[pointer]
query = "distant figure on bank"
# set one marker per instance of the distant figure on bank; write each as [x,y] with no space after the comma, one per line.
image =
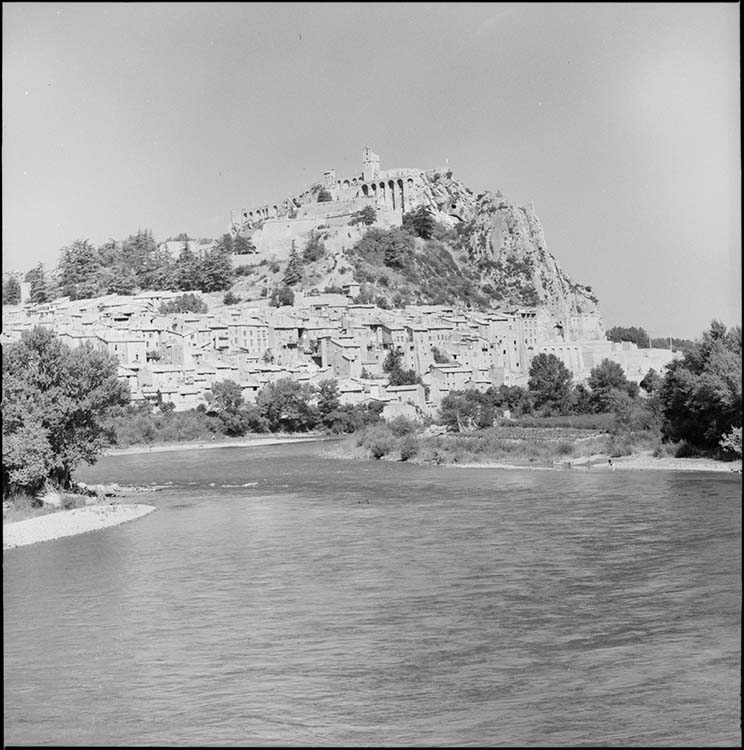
[612,467]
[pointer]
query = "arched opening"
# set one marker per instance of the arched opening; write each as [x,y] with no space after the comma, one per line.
[402,198]
[365,190]
[391,185]
[346,184]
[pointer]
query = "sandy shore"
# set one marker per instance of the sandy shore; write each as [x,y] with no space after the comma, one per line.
[636,463]
[70,522]
[201,445]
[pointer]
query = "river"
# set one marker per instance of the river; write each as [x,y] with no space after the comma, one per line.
[277,597]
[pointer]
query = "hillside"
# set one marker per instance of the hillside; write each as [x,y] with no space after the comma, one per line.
[483,252]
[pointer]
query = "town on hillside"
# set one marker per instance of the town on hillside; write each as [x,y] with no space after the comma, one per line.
[176,358]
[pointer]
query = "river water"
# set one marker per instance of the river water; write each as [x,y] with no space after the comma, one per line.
[277,597]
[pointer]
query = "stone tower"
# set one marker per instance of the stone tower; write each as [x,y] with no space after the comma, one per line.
[370,164]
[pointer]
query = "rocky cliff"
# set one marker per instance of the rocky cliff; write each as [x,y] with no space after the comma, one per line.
[508,245]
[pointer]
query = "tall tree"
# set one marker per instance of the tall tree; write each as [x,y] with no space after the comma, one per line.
[606,380]
[293,272]
[40,289]
[226,399]
[286,405]
[702,393]
[328,401]
[550,384]
[187,269]
[11,290]
[55,403]
[216,271]
[79,271]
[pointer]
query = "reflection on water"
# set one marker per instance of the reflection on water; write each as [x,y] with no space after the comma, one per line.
[342,602]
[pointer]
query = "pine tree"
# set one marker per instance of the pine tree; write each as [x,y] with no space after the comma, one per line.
[79,271]
[293,272]
[40,291]
[11,291]
[187,269]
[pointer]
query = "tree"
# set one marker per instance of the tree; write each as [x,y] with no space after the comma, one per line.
[516,399]
[675,344]
[392,365]
[440,357]
[11,291]
[462,410]
[550,384]
[605,380]
[215,272]
[286,406]
[293,271]
[187,269]
[366,216]
[226,400]
[79,270]
[186,303]
[242,245]
[397,248]
[635,335]
[39,286]
[230,299]
[651,382]
[282,296]
[581,400]
[328,401]
[226,242]
[731,443]
[54,408]
[701,394]
[314,249]
[419,222]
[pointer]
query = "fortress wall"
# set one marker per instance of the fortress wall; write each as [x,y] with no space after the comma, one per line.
[276,235]
[332,208]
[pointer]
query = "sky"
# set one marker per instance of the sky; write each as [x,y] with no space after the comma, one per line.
[621,122]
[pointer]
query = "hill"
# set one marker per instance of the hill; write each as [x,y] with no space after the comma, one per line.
[480,251]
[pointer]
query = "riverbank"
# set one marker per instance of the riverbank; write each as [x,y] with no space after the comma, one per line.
[638,462]
[204,444]
[70,522]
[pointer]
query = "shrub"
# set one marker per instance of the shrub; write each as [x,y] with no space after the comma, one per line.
[731,443]
[379,441]
[401,426]
[231,299]
[314,249]
[564,449]
[684,449]
[408,447]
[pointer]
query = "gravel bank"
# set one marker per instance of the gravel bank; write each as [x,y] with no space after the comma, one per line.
[636,463]
[200,445]
[70,522]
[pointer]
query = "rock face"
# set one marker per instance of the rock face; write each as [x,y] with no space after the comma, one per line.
[508,243]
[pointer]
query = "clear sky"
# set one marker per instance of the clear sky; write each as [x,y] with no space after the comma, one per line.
[620,121]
